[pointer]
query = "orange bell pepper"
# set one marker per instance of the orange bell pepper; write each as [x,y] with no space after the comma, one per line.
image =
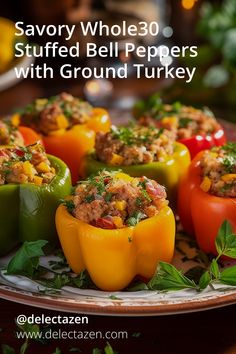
[114,257]
[202,213]
[29,136]
[71,145]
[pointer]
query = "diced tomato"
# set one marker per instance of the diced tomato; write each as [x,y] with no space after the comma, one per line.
[105,223]
[155,190]
[19,152]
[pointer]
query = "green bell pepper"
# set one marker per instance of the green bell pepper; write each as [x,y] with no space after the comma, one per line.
[167,172]
[27,211]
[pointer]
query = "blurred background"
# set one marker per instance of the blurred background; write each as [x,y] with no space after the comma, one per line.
[209,24]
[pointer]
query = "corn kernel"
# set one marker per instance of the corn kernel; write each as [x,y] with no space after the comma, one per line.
[206,184]
[123,176]
[28,168]
[15,119]
[38,180]
[43,167]
[118,221]
[228,177]
[120,205]
[213,154]
[173,121]
[116,160]
[62,122]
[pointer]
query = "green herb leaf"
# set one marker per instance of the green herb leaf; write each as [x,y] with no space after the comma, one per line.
[228,276]
[168,277]
[69,204]
[26,260]
[135,218]
[214,269]
[7,350]
[184,122]
[89,198]
[226,241]
[57,351]
[97,351]
[113,297]
[220,242]
[204,280]
[24,347]
[108,349]
[108,197]
[29,328]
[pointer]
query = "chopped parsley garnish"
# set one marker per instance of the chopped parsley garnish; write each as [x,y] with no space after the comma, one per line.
[69,204]
[108,196]
[135,135]
[155,108]
[229,161]
[135,218]
[138,201]
[89,198]
[184,122]
[144,191]
[229,147]
[52,99]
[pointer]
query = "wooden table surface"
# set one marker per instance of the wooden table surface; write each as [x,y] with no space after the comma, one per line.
[207,332]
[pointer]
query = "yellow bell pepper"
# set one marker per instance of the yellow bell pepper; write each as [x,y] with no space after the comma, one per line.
[114,257]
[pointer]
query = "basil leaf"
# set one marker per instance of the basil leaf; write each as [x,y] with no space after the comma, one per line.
[214,268]
[204,280]
[168,277]
[228,276]
[221,238]
[24,347]
[97,351]
[26,259]
[108,349]
[230,249]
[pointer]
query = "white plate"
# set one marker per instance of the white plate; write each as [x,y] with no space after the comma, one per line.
[139,303]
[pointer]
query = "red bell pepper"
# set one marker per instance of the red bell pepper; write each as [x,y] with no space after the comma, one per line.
[197,143]
[201,213]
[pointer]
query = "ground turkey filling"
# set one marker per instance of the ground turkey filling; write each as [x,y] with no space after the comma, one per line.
[25,165]
[185,121]
[134,145]
[9,135]
[115,200]
[61,112]
[219,171]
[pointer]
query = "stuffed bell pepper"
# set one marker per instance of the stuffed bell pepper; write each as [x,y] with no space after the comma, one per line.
[31,186]
[116,227]
[197,129]
[139,151]
[12,134]
[207,194]
[67,125]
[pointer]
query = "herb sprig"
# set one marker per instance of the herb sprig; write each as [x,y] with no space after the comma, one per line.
[155,108]
[136,135]
[167,277]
